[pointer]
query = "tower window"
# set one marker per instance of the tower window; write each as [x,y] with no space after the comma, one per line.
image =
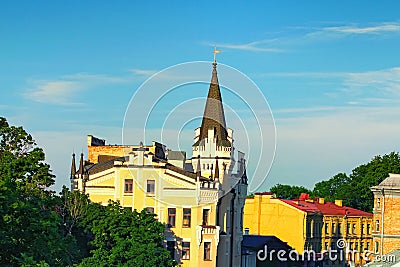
[206,215]
[207,251]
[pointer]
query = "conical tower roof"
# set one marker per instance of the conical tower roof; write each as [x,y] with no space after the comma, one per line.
[214,117]
[81,166]
[73,166]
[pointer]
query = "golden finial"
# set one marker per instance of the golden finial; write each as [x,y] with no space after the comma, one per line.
[215,53]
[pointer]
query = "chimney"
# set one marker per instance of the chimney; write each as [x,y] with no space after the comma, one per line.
[339,202]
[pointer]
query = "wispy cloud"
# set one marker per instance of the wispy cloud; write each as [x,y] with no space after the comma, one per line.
[54,92]
[376,29]
[62,91]
[381,82]
[255,46]
[143,72]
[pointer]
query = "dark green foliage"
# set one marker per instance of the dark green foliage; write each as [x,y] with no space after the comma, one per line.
[288,191]
[29,225]
[123,237]
[332,189]
[38,228]
[354,189]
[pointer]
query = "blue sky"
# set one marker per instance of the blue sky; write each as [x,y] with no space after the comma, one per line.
[330,71]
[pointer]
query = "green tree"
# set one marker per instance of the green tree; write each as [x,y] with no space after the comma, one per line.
[29,225]
[355,189]
[334,188]
[288,191]
[123,237]
[363,177]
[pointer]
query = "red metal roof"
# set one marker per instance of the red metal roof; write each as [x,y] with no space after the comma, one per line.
[327,208]
[301,205]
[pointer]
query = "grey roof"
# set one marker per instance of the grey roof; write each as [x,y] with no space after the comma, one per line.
[214,117]
[176,155]
[392,181]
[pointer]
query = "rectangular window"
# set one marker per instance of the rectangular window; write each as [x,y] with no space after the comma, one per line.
[377,225]
[171,217]
[333,229]
[207,251]
[362,247]
[185,250]
[376,247]
[367,245]
[362,228]
[187,212]
[326,246]
[368,229]
[348,228]
[378,203]
[356,246]
[128,185]
[150,209]
[171,248]
[151,185]
[206,215]
[326,228]
[339,228]
[354,228]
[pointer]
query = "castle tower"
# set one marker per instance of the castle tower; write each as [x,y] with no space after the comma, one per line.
[213,150]
[213,140]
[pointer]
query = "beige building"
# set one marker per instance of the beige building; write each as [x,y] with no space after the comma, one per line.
[386,227]
[200,199]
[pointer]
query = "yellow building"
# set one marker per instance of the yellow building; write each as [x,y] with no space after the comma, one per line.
[200,199]
[309,224]
[386,227]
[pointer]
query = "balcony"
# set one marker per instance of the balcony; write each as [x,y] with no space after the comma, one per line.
[209,230]
[209,192]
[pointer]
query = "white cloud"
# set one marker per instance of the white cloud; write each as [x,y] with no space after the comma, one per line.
[380,83]
[383,28]
[143,72]
[54,92]
[63,90]
[255,46]
[312,148]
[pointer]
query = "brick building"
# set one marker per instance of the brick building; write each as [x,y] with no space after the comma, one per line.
[386,230]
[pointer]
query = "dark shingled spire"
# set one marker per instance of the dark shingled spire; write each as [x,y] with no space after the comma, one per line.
[81,170]
[73,166]
[214,117]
